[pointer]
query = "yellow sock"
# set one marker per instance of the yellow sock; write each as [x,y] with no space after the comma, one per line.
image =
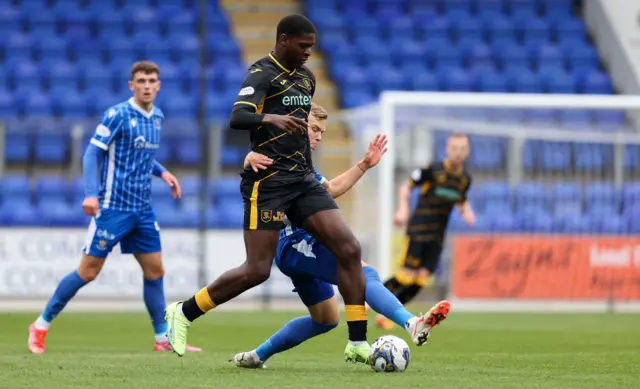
[204,300]
[355,313]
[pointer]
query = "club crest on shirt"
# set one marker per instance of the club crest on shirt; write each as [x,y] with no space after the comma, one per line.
[441,178]
[156,123]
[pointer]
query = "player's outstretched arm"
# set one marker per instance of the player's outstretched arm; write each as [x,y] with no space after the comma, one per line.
[345,181]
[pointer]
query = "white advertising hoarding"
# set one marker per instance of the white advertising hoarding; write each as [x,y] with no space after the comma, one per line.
[32,262]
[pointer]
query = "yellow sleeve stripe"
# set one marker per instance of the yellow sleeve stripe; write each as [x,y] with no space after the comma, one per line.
[246,103]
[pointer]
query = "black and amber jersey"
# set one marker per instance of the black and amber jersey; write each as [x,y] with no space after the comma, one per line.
[441,188]
[270,88]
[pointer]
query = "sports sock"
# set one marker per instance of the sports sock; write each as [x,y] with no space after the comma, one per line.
[153,294]
[382,300]
[67,288]
[292,334]
[356,322]
[410,292]
[392,284]
[198,305]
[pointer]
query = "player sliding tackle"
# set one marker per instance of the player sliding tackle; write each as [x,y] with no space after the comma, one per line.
[312,267]
[273,104]
[124,143]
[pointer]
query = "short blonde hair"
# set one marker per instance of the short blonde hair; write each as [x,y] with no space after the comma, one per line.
[319,112]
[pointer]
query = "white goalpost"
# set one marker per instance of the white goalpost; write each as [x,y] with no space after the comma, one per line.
[417,122]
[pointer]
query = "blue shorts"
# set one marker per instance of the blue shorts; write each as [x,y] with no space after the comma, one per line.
[137,233]
[311,267]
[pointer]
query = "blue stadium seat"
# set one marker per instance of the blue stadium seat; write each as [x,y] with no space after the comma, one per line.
[61,74]
[424,81]
[20,213]
[52,187]
[51,147]
[72,105]
[142,19]
[609,119]
[455,80]
[531,193]
[583,57]
[28,76]
[601,193]
[53,47]
[536,30]
[510,54]
[535,219]
[594,157]
[15,188]
[570,29]
[575,119]
[439,28]
[631,195]
[38,104]
[225,188]
[499,28]
[597,83]
[7,104]
[188,149]
[9,20]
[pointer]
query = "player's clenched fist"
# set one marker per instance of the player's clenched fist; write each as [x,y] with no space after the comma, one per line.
[289,124]
[90,206]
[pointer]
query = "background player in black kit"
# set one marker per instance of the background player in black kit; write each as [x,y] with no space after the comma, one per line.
[443,185]
[273,104]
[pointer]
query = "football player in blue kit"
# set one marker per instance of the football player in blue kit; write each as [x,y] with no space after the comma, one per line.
[312,267]
[118,167]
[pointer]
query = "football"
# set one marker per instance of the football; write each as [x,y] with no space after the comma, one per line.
[389,354]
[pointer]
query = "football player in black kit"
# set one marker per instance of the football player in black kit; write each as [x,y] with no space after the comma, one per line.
[443,185]
[273,105]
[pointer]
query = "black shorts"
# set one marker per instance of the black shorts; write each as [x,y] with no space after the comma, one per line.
[268,200]
[422,253]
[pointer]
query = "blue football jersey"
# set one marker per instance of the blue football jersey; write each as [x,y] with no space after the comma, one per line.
[130,136]
[290,231]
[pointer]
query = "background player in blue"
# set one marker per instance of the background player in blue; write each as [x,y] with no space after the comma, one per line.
[312,268]
[124,144]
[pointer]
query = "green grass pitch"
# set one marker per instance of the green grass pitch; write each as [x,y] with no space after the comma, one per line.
[96,350]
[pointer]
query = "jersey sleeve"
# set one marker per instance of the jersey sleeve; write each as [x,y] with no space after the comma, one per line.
[465,191]
[420,176]
[254,88]
[110,126]
[319,177]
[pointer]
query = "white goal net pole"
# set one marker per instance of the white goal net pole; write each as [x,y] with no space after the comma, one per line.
[391,100]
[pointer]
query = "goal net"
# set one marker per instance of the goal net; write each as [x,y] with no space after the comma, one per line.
[556,190]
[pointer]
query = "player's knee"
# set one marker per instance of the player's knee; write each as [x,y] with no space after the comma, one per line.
[350,251]
[153,272]
[257,273]
[90,267]
[325,327]
[88,274]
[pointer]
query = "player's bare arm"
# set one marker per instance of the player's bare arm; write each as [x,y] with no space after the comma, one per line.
[467,213]
[345,181]
[401,217]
